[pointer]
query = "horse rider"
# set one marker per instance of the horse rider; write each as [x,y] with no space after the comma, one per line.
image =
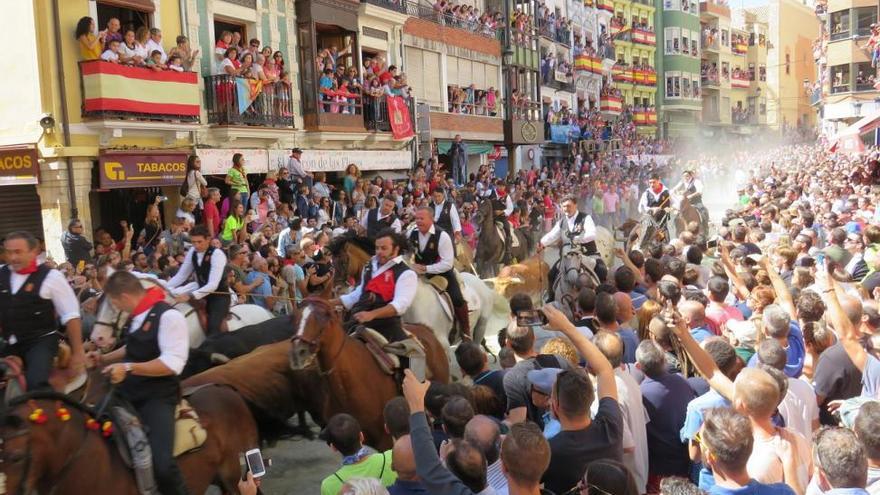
[576,230]
[378,219]
[208,265]
[33,298]
[387,289]
[692,188]
[446,215]
[434,256]
[147,368]
[656,200]
[502,207]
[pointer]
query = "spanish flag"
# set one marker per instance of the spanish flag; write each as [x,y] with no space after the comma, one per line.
[109,87]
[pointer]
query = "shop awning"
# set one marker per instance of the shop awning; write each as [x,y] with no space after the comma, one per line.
[473,147]
[864,125]
[19,165]
[849,139]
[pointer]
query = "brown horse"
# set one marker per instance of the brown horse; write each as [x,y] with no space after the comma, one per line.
[64,457]
[490,245]
[688,216]
[352,381]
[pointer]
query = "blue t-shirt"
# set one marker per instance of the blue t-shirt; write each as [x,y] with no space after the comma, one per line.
[259,293]
[871,378]
[638,299]
[326,82]
[630,342]
[754,488]
[693,421]
[666,398]
[796,351]
[700,334]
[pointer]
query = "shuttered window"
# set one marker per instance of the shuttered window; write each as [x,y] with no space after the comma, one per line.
[433,91]
[22,200]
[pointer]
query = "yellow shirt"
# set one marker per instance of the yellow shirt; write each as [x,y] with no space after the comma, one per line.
[87,53]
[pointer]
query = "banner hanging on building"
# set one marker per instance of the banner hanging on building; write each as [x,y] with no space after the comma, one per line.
[109,87]
[143,169]
[399,117]
[217,161]
[19,166]
[338,160]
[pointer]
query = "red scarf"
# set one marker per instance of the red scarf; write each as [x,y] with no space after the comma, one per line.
[28,269]
[657,188]
[149,300]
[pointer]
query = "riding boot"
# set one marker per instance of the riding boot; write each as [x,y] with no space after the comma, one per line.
[463,321]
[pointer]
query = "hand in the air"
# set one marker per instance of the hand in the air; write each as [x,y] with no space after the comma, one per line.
[556,320]
[414,391]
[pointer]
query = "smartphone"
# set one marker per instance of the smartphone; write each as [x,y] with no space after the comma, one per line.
[531,318]
[712,243]
[254,460]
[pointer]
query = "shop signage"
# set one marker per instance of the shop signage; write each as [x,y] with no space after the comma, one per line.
[218,161]
[338,160]
[19,166]
[146,169]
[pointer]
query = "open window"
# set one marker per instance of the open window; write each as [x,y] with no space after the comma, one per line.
[132,14]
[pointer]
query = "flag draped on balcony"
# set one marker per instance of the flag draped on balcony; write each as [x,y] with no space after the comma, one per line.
[109,87]
[247,91]
[399,117]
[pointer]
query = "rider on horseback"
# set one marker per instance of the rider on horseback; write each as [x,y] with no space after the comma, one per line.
[445,215]
[575,231]
[386,291]
[148,368]
[434,256]
[381,218]
[656,200]
[502,207]
[692,188]
[208,264]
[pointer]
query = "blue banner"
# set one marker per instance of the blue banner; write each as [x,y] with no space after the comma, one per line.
[564,134]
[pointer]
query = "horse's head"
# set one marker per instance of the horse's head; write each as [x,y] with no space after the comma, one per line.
[484,212]
[16,457]
[350,254]
[315,322]
[107,325]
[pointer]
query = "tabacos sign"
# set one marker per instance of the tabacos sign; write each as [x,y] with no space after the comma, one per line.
[144,169]
[18,166]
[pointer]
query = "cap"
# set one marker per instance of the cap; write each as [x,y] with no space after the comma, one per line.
[746,332]
[543,379]
[296,150]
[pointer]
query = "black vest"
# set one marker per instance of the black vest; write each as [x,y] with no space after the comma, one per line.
[568,234]
[431,254]
[444,221]
[692,189]
[141,346]
[374,225]
[25,314]
[203,271]
[660,199]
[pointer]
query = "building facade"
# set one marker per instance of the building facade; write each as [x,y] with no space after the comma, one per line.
[634,74]
[678,66]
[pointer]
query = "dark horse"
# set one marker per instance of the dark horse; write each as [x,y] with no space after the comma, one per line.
[490,245]
[689,216]
[62,456]
[351,379]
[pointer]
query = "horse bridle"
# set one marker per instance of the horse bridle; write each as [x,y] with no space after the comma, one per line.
[316,345]
[112,325]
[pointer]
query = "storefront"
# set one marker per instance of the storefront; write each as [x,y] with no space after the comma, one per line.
[19,176]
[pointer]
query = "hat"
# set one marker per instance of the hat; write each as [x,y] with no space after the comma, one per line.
[296,150]
[746,332]
[543,379]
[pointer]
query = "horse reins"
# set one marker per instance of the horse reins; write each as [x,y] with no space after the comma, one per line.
[314,358]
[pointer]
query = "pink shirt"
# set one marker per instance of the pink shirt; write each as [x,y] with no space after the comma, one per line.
[610,198]
[719,314]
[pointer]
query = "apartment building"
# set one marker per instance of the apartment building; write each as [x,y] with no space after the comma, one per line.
[678,63]
[634,73]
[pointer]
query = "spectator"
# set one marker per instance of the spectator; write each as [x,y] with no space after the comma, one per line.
[187,54]
[798,408]
[90,45]
[131,52]
[343,435]
[155,44]
[474,363]
[77,249]
[841,464]
[111,33]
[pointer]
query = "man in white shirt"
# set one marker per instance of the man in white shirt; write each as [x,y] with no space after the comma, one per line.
[379,219]
[207,265]
[576,230]
[446,214]
[148,368]
[434,255]
[297,172]
[31,295]
[155,43]
[799,407]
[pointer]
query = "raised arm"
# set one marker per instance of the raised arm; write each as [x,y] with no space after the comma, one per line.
[849,333]
[783,296]
[742,291]
[702,360]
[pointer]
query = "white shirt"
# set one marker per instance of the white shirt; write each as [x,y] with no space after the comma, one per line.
[218,265]
[296,168]
[404,289]
[109,55]
[643,202]
[173,338]
[555,234]
[799,407]
[395,225]
[453,215]
[139,50]
[153,45]
[54,288]
[444,247]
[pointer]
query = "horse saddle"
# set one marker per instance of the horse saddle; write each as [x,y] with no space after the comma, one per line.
[387,354]
[134,445]
[12,376]
[441,284]
[514,240]
[201,308]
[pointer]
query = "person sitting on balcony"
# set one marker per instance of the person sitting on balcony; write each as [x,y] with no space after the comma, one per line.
[130,51]
[185,52]
[155,61]
[90,45]
[111,54]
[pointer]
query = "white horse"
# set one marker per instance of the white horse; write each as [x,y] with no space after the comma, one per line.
[109,320]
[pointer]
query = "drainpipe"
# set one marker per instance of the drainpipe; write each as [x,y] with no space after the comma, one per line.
[65,118]
[184,22]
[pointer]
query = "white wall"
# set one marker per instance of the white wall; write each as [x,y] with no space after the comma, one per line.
[20,107]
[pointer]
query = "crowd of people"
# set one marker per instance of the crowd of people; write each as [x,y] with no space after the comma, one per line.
[469,100]
[553,25]
[468,17]
[137,47]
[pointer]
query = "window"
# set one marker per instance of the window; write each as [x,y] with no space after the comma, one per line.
[864,16]
[725,70]
[762,73]
[671,35]
[864,74]
[695,51]
[685,87]
[725,37]
[695,87]
[676,87]
[839,25]
[840,79]
[129,18]
[685,42]
[669,80]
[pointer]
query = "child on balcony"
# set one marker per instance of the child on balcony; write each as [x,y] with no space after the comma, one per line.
[111,54]
[155,61]
[284,94]
[174,63]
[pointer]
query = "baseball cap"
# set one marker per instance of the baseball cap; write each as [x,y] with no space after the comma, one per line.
[296,150]
[543,379]
[746,332]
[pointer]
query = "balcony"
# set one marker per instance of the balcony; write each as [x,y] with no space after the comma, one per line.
[644,116]
[644,77]
[238,101]
[740,81]
[428,13]
[710,80]
[742,116]
[717,8]
[644,37]
[561,81]
[586,64]
[550,31]
[473,101]
[115,91]
[622,73]
[710,43]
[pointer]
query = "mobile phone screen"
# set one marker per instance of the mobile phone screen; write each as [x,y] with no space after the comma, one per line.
[255,463]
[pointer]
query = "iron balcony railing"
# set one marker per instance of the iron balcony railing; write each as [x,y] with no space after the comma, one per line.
[428,13]
[272,106]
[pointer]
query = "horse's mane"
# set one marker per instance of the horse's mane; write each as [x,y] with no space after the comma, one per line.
[321,305]
[364,243]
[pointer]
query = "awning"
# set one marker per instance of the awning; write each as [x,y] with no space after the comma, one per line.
[864,125]
[473,147]
[19,165]
[849,140]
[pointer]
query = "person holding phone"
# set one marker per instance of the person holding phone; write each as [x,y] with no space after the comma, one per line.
[147,368]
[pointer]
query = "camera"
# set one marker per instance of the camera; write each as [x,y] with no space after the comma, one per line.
[47,121]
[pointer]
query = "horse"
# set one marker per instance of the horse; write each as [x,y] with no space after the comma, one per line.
[689,215]
[109,320]
[490,244]
[351,254]
[61,456]
[352,380]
